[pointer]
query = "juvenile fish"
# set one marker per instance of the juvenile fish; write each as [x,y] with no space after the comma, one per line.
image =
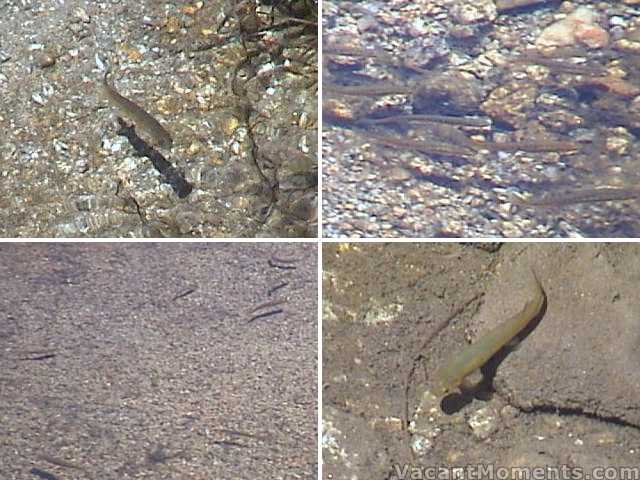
[430,148]
[272,303]
[137,115]
[369,90]
[571,197]
[456,368]
[60,462]
[446,119]
[533,146]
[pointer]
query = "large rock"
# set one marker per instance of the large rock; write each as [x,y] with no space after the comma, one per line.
[579,27]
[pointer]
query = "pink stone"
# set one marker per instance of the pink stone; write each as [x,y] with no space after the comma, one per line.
[592,36]
[580,26]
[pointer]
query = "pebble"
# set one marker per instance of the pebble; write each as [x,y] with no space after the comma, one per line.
[46,58]
[37,98]
[615,85]
[620,141]
[398,174]
[474,12]
[617,21]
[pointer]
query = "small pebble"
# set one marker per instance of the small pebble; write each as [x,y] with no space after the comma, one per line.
[45,59]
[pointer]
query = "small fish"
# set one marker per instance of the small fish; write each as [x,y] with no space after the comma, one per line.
[271,303]
[264,315]
[137,115]
[453,371]
[60,462]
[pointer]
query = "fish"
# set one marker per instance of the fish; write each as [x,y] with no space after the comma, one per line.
[454,370]
[144,121]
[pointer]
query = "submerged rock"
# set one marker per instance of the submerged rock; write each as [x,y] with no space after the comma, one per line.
[474,12]
[512,103]
[579,27]
[451,92]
